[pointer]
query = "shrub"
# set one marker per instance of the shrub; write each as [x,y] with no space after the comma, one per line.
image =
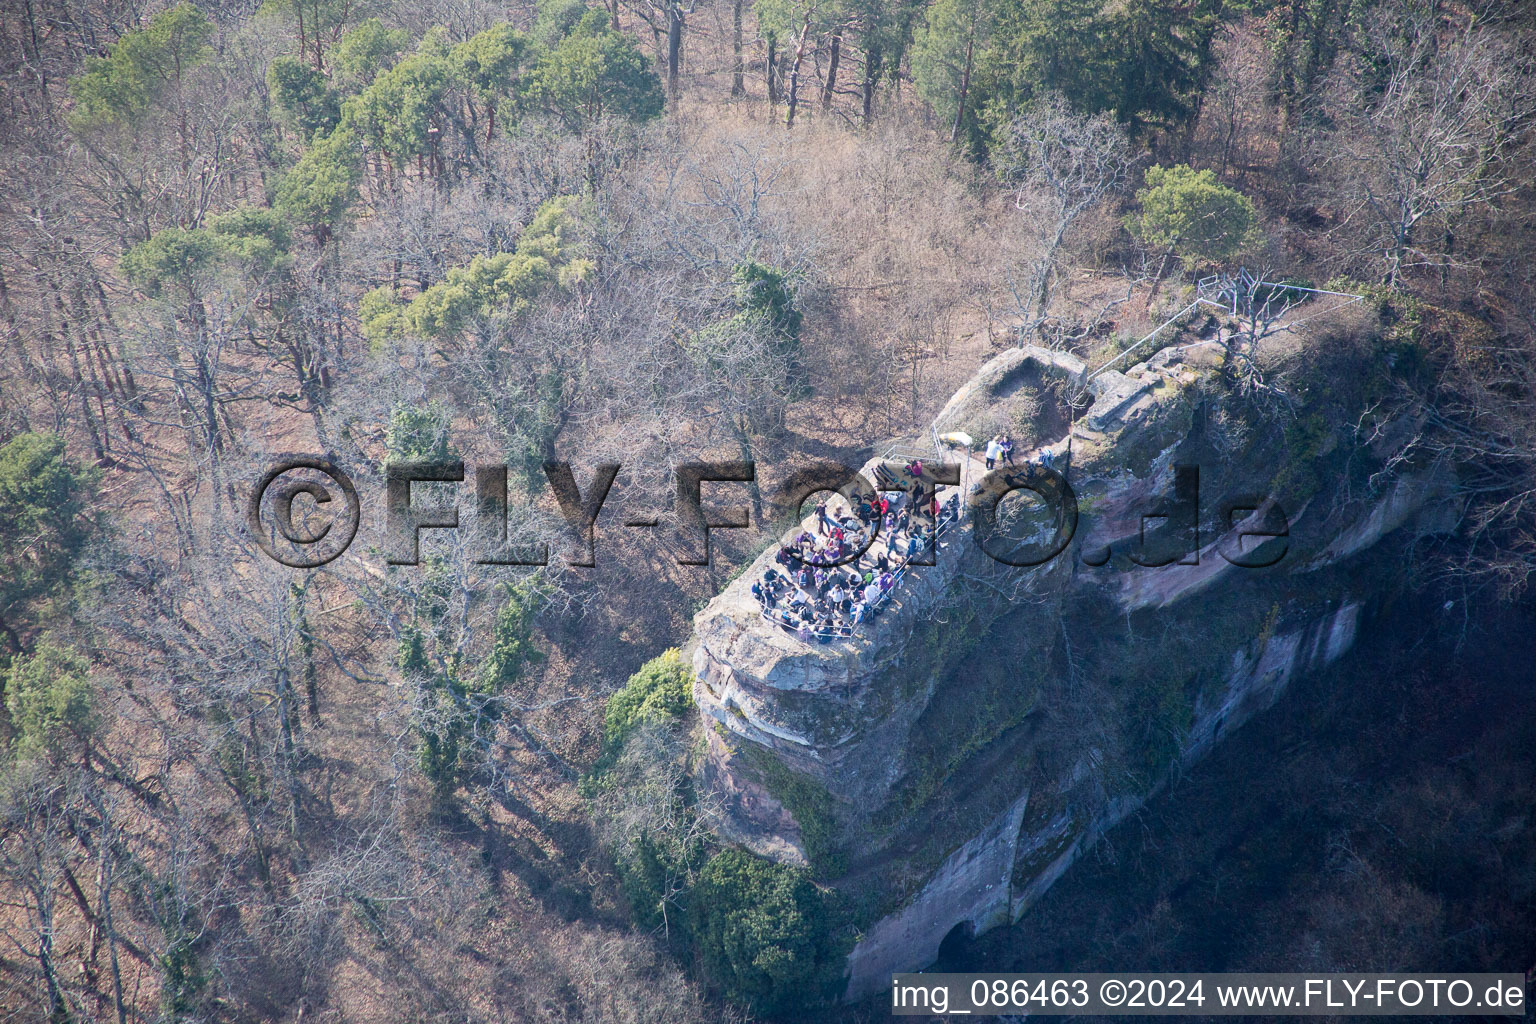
[1192,213]
[812,806]
[646,814]
[302,98]
[764,292]
[661,690]
[50,700]
[595,71]
[419,433]
[764,933]
[549,254]
[144,66]
[45,497]
[319,188]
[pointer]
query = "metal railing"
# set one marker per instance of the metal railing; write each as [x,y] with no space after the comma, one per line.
[1155,332]
[1227,293]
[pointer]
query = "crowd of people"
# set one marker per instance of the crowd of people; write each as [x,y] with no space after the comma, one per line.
[819,590]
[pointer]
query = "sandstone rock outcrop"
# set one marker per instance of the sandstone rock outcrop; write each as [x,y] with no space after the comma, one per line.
[946,764]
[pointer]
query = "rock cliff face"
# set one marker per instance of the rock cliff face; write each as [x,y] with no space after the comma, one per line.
[944,766]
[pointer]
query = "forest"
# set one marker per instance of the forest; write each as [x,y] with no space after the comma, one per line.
[619,236]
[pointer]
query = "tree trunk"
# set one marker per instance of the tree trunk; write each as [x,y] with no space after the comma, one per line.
[104,894]
[832,62]
[181,133]
[298,9]
[965,83]
[57,1010]
[1396,254]
[286,724]
[794,73]
[773,86]
[1042,294]
[674,50]
[1445,264]
[744,446]
[312,693]
[1162,270]
[872,61]
[738,67]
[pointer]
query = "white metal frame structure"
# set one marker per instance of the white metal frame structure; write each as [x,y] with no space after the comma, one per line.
[1262,304]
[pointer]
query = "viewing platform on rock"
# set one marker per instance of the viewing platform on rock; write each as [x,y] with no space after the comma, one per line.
[761,669]
[819,590]
[748,658]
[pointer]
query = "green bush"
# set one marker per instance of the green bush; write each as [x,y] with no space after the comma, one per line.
[50,700]
[645,873]
[301,97]
[1157,718]
[45,498]
[319,188]
[595,71]
[1192,213]
[512,649]
[125,86]
[457,707]
[549,255]
[641,796]
[419,433]
[764,933]
[764,292]
[661,690]
[360,55]
[251,239]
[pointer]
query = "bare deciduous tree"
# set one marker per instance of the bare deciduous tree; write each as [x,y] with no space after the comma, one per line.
[1429,131]
[1060,165]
